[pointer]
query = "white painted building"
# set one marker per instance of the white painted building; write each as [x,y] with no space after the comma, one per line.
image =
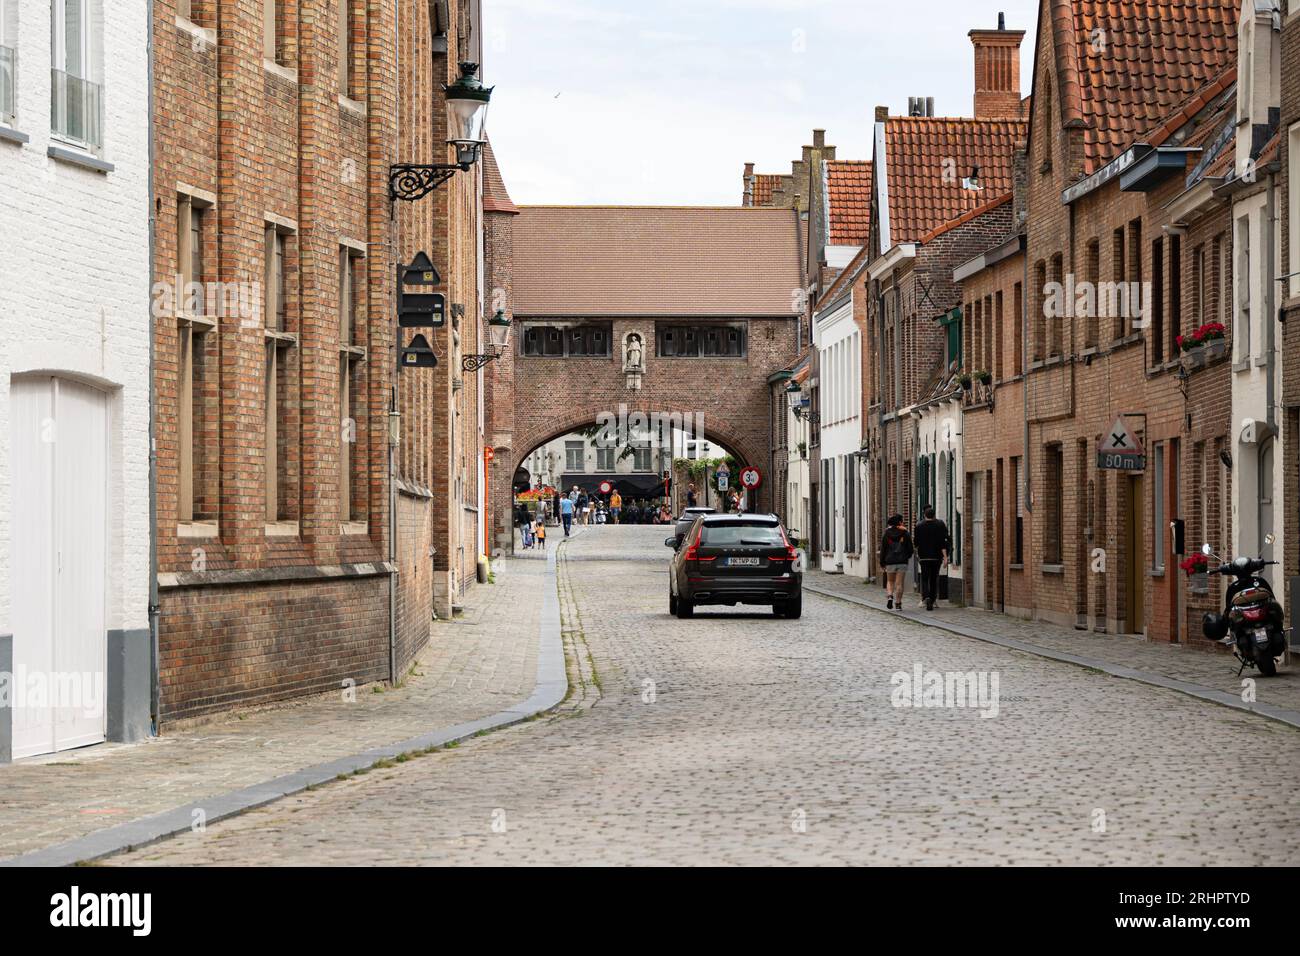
[74,370]
[1256,437]
[842,519]
[939,471]
[798,516]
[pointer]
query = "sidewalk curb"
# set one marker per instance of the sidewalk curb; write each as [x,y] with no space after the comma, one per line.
[551,687]
[1200,691]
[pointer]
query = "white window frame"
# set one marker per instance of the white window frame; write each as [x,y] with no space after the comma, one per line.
[59,37]
[9,38]
[1243,317]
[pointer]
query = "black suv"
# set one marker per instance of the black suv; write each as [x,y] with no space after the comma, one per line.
[735,559]
[686,519]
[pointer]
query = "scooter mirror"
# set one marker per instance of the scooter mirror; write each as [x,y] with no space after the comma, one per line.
[1206,550]
[1268,539]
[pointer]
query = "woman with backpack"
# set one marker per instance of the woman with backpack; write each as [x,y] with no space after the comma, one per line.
[895,554]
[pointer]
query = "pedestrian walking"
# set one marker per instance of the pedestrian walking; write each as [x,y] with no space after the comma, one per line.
[895,554]
[566,512]
[933,545]
[615,507]
[584,508]
[539,531]
[525,522]
[691,496]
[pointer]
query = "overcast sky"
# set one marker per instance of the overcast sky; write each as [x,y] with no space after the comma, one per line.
[660,103]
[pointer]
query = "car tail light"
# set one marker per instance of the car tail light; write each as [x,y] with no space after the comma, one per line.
[693,549]
[1256,613]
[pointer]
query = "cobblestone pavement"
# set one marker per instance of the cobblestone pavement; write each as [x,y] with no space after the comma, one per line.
[771,741]
[479,665]
[1217,671]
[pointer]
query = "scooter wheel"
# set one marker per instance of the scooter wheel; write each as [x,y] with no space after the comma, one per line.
[1267,666]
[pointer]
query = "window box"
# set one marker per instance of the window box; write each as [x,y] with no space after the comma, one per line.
[1199,583]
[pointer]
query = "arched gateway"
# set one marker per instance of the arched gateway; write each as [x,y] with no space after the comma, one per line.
[675,313]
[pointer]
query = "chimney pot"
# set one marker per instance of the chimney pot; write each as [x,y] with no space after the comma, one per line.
[819,138]
[882,114]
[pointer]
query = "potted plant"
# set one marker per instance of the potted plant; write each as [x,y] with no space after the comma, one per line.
[1193,356]
[965,381]
[1214,337]
[1197,570]
[803,449]
[985,377]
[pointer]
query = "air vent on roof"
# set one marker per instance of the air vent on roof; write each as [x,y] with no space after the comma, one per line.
[920,106]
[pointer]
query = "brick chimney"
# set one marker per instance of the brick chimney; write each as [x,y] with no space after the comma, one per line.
[748,196]
[997,71]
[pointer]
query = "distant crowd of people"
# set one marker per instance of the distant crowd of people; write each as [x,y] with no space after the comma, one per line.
[580,507]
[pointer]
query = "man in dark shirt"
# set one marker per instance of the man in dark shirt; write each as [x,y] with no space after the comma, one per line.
[933,545]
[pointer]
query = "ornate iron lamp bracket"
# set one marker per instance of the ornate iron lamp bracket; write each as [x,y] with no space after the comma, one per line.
[412,181]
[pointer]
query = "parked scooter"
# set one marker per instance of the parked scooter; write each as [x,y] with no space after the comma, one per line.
[1251,613]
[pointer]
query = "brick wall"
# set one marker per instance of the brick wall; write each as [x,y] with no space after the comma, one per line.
[1073,398]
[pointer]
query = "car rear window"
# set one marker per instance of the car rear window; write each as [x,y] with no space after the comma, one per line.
[736,532]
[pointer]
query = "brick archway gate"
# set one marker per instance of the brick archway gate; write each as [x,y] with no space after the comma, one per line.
[658,310]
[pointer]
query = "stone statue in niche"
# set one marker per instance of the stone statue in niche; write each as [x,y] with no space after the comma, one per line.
[633,363]
[633,360]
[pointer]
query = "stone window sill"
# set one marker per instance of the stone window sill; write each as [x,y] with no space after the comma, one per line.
[1016,567]
[10,135]
[206,36]
[75,157]
[1053,569]
[282,529]
[354,527]
[349,105]
[286,73]
[198,529]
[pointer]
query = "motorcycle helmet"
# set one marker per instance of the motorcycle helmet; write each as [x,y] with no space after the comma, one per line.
[1214,626]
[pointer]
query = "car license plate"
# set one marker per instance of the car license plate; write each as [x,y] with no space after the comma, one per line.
[742,562]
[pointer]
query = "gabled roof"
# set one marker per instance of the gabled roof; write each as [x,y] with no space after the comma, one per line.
[576,261]
[848,186]
[927,160]
[495,196]
[1122,66]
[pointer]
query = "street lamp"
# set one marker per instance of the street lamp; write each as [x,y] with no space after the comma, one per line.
[498,338]
[467,99]
[794,391]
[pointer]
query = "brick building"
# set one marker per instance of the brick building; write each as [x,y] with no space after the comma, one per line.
[942,194]
[280,535]
[833,200]
[673,310]
[1126,148]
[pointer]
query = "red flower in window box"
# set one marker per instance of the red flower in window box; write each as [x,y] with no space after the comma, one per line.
[1196,564]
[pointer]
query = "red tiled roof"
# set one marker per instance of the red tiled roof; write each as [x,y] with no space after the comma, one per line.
[928,157]
[655,261]
[1123,66]
[495,196]
[848,183]
[763,187]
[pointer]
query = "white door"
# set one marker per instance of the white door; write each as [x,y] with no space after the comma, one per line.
[59,468]
[977,539]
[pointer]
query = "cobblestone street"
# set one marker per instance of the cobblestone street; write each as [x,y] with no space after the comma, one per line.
[740,738]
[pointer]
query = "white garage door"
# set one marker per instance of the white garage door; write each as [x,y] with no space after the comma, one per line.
[59,470]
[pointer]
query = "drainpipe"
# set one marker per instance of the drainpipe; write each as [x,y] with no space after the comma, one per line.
[154,608]
[1270,300]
